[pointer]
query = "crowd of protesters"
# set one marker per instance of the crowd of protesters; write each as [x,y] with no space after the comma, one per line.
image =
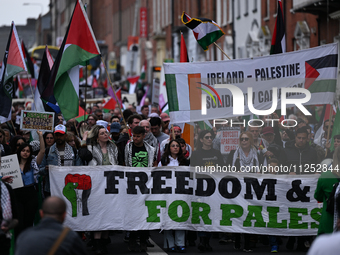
[147,140]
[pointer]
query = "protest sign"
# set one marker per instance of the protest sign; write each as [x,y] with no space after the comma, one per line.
[198,91]
[31,120]
[229,139]
[121,198]
[10,167]
[155,91]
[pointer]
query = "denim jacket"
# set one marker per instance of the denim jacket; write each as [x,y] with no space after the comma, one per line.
[52,159]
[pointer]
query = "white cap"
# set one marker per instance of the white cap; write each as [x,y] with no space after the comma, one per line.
[60,129]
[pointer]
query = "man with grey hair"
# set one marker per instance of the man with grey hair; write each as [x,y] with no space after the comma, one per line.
[43,237]
[150,138]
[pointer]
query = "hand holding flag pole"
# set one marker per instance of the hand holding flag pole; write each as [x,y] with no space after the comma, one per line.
[120,109]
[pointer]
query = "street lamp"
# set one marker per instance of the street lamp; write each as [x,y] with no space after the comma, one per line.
[42,12]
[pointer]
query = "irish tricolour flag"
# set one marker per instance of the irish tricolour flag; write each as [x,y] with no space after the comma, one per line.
[79,45]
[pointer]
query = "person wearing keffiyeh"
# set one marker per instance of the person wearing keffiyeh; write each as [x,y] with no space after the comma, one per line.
[8,213]
[245,158]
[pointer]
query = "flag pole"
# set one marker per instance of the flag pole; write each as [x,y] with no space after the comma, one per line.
[74,122]
[29,80]
[222,51]
[85,89]
[15,132]
[114,92]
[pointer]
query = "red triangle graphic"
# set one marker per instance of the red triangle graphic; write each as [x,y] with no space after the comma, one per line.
[80,33]
[311,75]
[111,104]
[14,56]
[94,83]
[195,34]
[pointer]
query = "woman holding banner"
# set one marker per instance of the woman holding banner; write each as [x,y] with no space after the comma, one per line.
[205,156]
[104,152]
[27,196]
[173,156]
[245,159]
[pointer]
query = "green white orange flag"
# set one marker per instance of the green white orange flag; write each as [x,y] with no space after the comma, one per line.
[13,63]
[79,45]
[206,31]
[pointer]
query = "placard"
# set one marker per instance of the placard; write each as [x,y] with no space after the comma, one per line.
[10,167]
[32,120]
[155,91]
[229,139]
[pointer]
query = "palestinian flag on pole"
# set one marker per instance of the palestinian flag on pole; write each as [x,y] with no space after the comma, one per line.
[13,63]
[44,98]
[79,45]
[206,31]
[279,38]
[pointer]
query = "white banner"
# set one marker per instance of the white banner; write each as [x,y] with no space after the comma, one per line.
[122,198]
[260,80]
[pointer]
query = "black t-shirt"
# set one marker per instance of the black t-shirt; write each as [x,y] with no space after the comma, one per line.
[140,157]
[203,158]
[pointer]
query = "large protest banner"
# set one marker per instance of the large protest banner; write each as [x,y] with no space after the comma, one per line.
[312,69]
[121,198]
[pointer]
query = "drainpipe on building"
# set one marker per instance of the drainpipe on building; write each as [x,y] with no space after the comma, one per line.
[234,46]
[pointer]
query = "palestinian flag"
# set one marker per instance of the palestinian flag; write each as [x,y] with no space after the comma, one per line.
[43,95]
[206,31]
[132,83]
[279,38]
[79,45]
[13,63]
[184,53]
[28,60]
[320,73]
[111,104]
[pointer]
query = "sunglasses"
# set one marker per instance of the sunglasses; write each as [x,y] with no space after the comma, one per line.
[208,137]
[244,139]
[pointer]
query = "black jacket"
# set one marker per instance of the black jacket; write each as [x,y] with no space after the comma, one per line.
[39,240]
[300,159]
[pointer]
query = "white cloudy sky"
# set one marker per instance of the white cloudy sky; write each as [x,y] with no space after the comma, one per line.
[15,10]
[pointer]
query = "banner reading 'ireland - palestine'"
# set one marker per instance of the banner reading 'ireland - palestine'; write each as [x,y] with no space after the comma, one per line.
[121,198]
[313,69]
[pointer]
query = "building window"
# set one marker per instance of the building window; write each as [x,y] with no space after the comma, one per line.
[301,36]
[238,10]
[228,47]
[225,13]
[246,8]
[218,12]
[266,10]
[264,37]
[255,6]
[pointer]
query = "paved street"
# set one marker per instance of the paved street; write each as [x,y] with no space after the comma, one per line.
[118,246]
